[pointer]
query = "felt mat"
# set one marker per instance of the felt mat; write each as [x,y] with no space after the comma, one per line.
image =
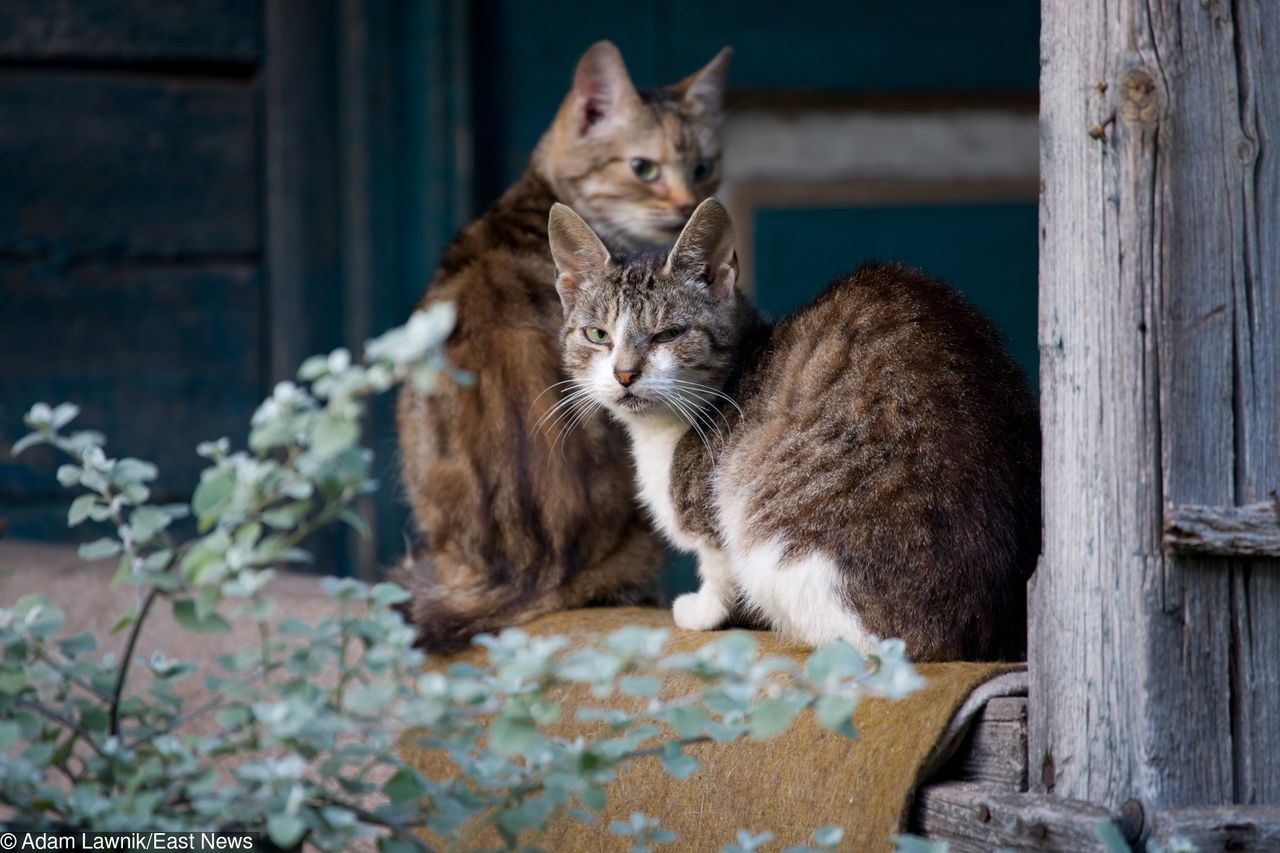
[802,779]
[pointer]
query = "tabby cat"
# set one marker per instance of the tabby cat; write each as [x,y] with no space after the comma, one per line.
[869,466]
[519,515]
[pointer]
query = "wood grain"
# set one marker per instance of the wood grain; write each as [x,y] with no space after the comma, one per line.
[995,751]
[974,818]
[1245,531]
[1154,676]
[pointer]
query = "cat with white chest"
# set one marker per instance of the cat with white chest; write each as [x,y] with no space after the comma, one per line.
[868,466]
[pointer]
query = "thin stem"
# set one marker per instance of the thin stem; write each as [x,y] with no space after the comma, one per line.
[399,830]
[66,722]
[118,692]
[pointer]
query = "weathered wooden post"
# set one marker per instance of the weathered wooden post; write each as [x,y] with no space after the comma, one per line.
[1155,658]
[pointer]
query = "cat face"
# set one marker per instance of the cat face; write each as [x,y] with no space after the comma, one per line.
[635,163]
[652,335]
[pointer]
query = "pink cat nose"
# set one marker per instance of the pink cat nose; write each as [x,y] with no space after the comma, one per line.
[686,210]
[626,377]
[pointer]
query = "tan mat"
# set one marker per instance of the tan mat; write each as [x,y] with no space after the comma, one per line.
[802,779]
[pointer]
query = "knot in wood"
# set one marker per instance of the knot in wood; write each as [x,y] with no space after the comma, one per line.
[1132,820]
[1141,97]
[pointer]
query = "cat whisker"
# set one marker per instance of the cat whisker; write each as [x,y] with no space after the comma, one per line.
[556,412]
[572,381]
[585,412]
[681,407]
[708,389]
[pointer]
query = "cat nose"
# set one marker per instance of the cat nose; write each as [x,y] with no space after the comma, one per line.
[626,377]
[686,210]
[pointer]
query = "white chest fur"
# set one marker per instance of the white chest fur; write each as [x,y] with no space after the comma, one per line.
[653,444]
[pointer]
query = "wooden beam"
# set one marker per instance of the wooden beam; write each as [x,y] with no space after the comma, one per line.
[1235,828]
[1232,531]
[973,818]
[995,751]
[1154,675]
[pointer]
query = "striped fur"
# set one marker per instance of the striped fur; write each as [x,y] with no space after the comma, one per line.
[866,467]
[519,514]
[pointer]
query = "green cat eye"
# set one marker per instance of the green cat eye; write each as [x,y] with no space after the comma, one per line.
[646,170]
[596,335]
[666,336]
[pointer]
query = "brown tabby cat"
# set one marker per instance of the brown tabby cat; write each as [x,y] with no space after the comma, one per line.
[867,466]
[519,514]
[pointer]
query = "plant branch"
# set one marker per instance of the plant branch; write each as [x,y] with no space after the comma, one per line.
[118,692]
[398,829]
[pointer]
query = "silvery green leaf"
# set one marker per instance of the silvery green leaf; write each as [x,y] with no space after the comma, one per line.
[68,475]
[332,434]
[676,763]
[285,830]
[640,685]
[387,594]
[835,712]
[29,440]
[184,613]
[146,522]
[77,644]
[828,836]
[1108,833]
[916,844]
[79,510]
[213,494]
[99,548]
[9,732]
[38,415]
[772,716]
[63,414]
[834,660]
[133,470]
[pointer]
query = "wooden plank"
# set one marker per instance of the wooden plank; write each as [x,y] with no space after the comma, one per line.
[1236,531]
[994,752]
[1253,188]
[115,166]
[973,818]
[1234,828]
[1135,657]
[158,359]
[222,30]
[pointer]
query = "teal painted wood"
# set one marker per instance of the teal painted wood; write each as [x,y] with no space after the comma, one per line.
[986,251]
[106,166]
[131,30]
[157,358]
[935,48]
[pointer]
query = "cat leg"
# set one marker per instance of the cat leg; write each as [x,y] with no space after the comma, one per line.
[709,607]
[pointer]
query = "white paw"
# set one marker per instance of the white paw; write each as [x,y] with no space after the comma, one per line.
[699,611]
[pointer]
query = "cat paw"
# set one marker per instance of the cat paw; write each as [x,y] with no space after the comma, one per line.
[697,611]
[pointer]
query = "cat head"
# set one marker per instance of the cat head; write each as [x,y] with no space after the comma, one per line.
[652,334]
[635,163]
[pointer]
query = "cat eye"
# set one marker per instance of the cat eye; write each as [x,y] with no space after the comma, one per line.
[704,170]
[666,336]
[596,335]
[646,170]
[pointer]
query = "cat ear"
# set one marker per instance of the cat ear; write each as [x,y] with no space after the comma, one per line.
[704,89]
[600,87]
[706,247]
[577,251]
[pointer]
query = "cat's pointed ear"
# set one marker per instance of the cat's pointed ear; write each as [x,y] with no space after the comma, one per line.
[577,251]
[601,88]
[704,89]
[705,247]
